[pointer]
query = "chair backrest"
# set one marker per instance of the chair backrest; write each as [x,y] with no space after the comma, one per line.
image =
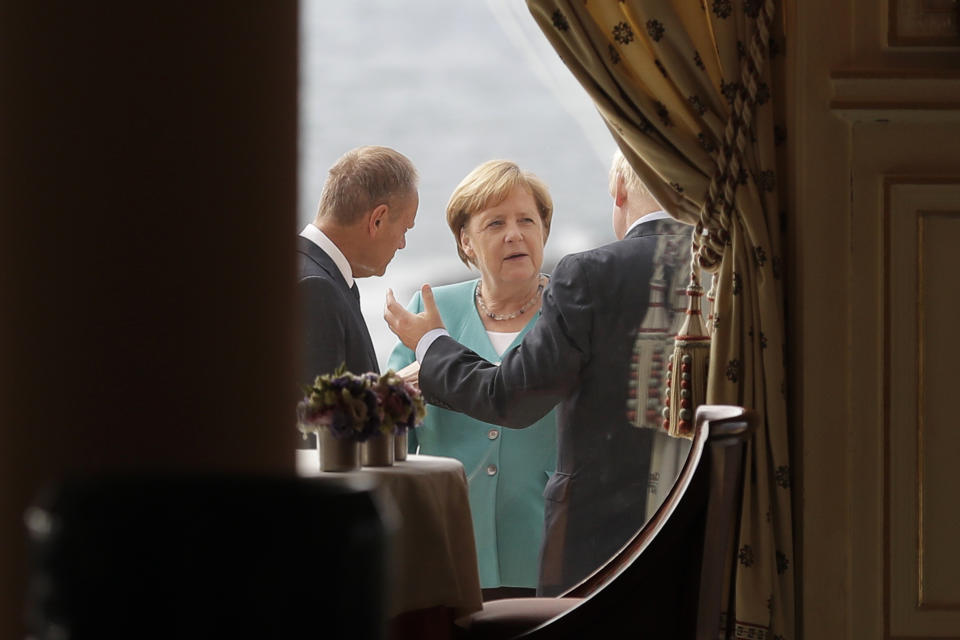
[674,577]
[206,555]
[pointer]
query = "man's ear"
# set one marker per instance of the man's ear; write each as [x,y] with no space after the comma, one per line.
[620,193]
[377,219]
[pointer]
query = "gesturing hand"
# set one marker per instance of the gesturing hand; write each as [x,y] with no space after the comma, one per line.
[410,327]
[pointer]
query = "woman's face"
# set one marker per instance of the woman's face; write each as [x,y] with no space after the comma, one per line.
[506,241]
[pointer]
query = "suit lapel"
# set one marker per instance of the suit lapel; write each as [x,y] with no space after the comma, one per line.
[325,262]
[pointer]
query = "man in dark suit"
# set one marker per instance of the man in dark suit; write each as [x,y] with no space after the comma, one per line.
[578,355]
[369,202]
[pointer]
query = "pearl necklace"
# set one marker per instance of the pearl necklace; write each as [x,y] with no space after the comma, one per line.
[509,316]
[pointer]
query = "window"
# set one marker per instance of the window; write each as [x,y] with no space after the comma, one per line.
[450,85]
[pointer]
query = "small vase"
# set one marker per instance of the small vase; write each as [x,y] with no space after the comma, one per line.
[377,451]
[400,446]
[337,454]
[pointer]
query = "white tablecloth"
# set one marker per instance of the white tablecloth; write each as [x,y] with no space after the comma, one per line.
[434,560]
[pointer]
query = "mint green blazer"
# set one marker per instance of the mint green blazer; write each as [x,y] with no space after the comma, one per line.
[506,469]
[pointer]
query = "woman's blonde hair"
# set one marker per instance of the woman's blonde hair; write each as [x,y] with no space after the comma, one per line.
[487,186]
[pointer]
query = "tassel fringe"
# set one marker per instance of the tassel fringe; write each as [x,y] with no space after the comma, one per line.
[687,369]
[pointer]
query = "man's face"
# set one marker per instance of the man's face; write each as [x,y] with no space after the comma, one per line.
[392,236]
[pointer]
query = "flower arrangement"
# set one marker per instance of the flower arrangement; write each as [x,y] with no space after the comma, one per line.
[342,402]
[357,407]
[401,405]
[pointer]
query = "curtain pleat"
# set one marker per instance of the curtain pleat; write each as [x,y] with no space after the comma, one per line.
[687,90]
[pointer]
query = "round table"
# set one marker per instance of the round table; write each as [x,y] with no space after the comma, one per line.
[425,502]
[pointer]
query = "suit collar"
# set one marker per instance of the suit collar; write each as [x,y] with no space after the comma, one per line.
[657,226]
[648,217]
[312,233]
[320,257]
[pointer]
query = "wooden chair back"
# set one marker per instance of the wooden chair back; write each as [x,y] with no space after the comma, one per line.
[673,579]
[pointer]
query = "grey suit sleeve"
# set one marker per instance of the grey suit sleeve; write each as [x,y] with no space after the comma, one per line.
[532,378]
[324,346]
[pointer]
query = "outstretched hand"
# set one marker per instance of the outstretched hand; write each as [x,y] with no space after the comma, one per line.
[410,327]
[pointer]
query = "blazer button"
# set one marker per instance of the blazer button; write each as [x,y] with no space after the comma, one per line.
[492,470]
[493,434]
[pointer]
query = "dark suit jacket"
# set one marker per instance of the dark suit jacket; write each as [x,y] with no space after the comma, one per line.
[578,355]
[334,330]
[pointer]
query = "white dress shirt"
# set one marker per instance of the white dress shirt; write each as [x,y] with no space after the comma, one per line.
[319,238]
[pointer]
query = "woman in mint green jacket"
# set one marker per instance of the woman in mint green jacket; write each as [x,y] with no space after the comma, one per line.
[500,217]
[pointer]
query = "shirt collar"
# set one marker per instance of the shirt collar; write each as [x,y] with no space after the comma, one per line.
[319,238]
[650,217]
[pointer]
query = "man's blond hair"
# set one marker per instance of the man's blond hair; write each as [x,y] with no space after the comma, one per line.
[364,178]
[620,168]
[487,186]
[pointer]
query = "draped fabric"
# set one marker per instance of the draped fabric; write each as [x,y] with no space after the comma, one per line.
[692,93]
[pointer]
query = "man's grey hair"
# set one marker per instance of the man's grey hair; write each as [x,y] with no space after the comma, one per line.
[364,178]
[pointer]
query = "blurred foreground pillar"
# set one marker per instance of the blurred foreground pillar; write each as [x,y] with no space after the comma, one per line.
[147,218]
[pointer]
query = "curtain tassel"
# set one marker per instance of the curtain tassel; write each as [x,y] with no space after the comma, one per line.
[687,370]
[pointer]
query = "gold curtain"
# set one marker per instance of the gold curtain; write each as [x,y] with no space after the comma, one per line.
[692,92]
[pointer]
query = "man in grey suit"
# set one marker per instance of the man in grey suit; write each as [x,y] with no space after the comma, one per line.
[578,354]
[369,201]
